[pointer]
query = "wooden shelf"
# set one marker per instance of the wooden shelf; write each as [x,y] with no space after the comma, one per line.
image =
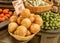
[6,2]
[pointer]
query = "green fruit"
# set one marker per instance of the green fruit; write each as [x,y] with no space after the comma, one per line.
[51,20]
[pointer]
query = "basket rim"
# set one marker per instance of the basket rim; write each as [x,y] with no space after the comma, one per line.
[21,36]
[49,4]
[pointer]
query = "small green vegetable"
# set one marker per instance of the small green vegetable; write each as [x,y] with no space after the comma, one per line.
[51,20]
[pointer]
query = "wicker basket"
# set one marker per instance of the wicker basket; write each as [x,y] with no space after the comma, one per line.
[21,38]
[40,8]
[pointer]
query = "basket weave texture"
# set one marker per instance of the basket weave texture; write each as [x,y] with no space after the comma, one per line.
[40,8]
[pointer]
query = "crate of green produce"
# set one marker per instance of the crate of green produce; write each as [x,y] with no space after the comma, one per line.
[51,20]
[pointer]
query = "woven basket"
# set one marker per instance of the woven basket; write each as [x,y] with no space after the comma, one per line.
[40,8]
[21,38]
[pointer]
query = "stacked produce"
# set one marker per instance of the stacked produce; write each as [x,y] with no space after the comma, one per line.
[51,20]
[25,24]
[36,3]
[38,6]
[5,14]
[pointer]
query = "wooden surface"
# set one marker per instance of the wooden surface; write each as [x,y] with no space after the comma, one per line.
[6,38]
[49,38]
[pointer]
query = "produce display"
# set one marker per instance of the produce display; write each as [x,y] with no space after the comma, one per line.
[30,18]
[51,20]
[38,6]
[5,14]
[25,23]
[36,2]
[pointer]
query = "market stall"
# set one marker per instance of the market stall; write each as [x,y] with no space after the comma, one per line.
[28,21]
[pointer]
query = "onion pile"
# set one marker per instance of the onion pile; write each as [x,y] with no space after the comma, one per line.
[25,24]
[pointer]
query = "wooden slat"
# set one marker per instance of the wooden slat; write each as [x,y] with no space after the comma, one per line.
[6,2]
[6,6]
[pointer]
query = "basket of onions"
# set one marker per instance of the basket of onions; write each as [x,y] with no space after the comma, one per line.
[38,6]
[25,26]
